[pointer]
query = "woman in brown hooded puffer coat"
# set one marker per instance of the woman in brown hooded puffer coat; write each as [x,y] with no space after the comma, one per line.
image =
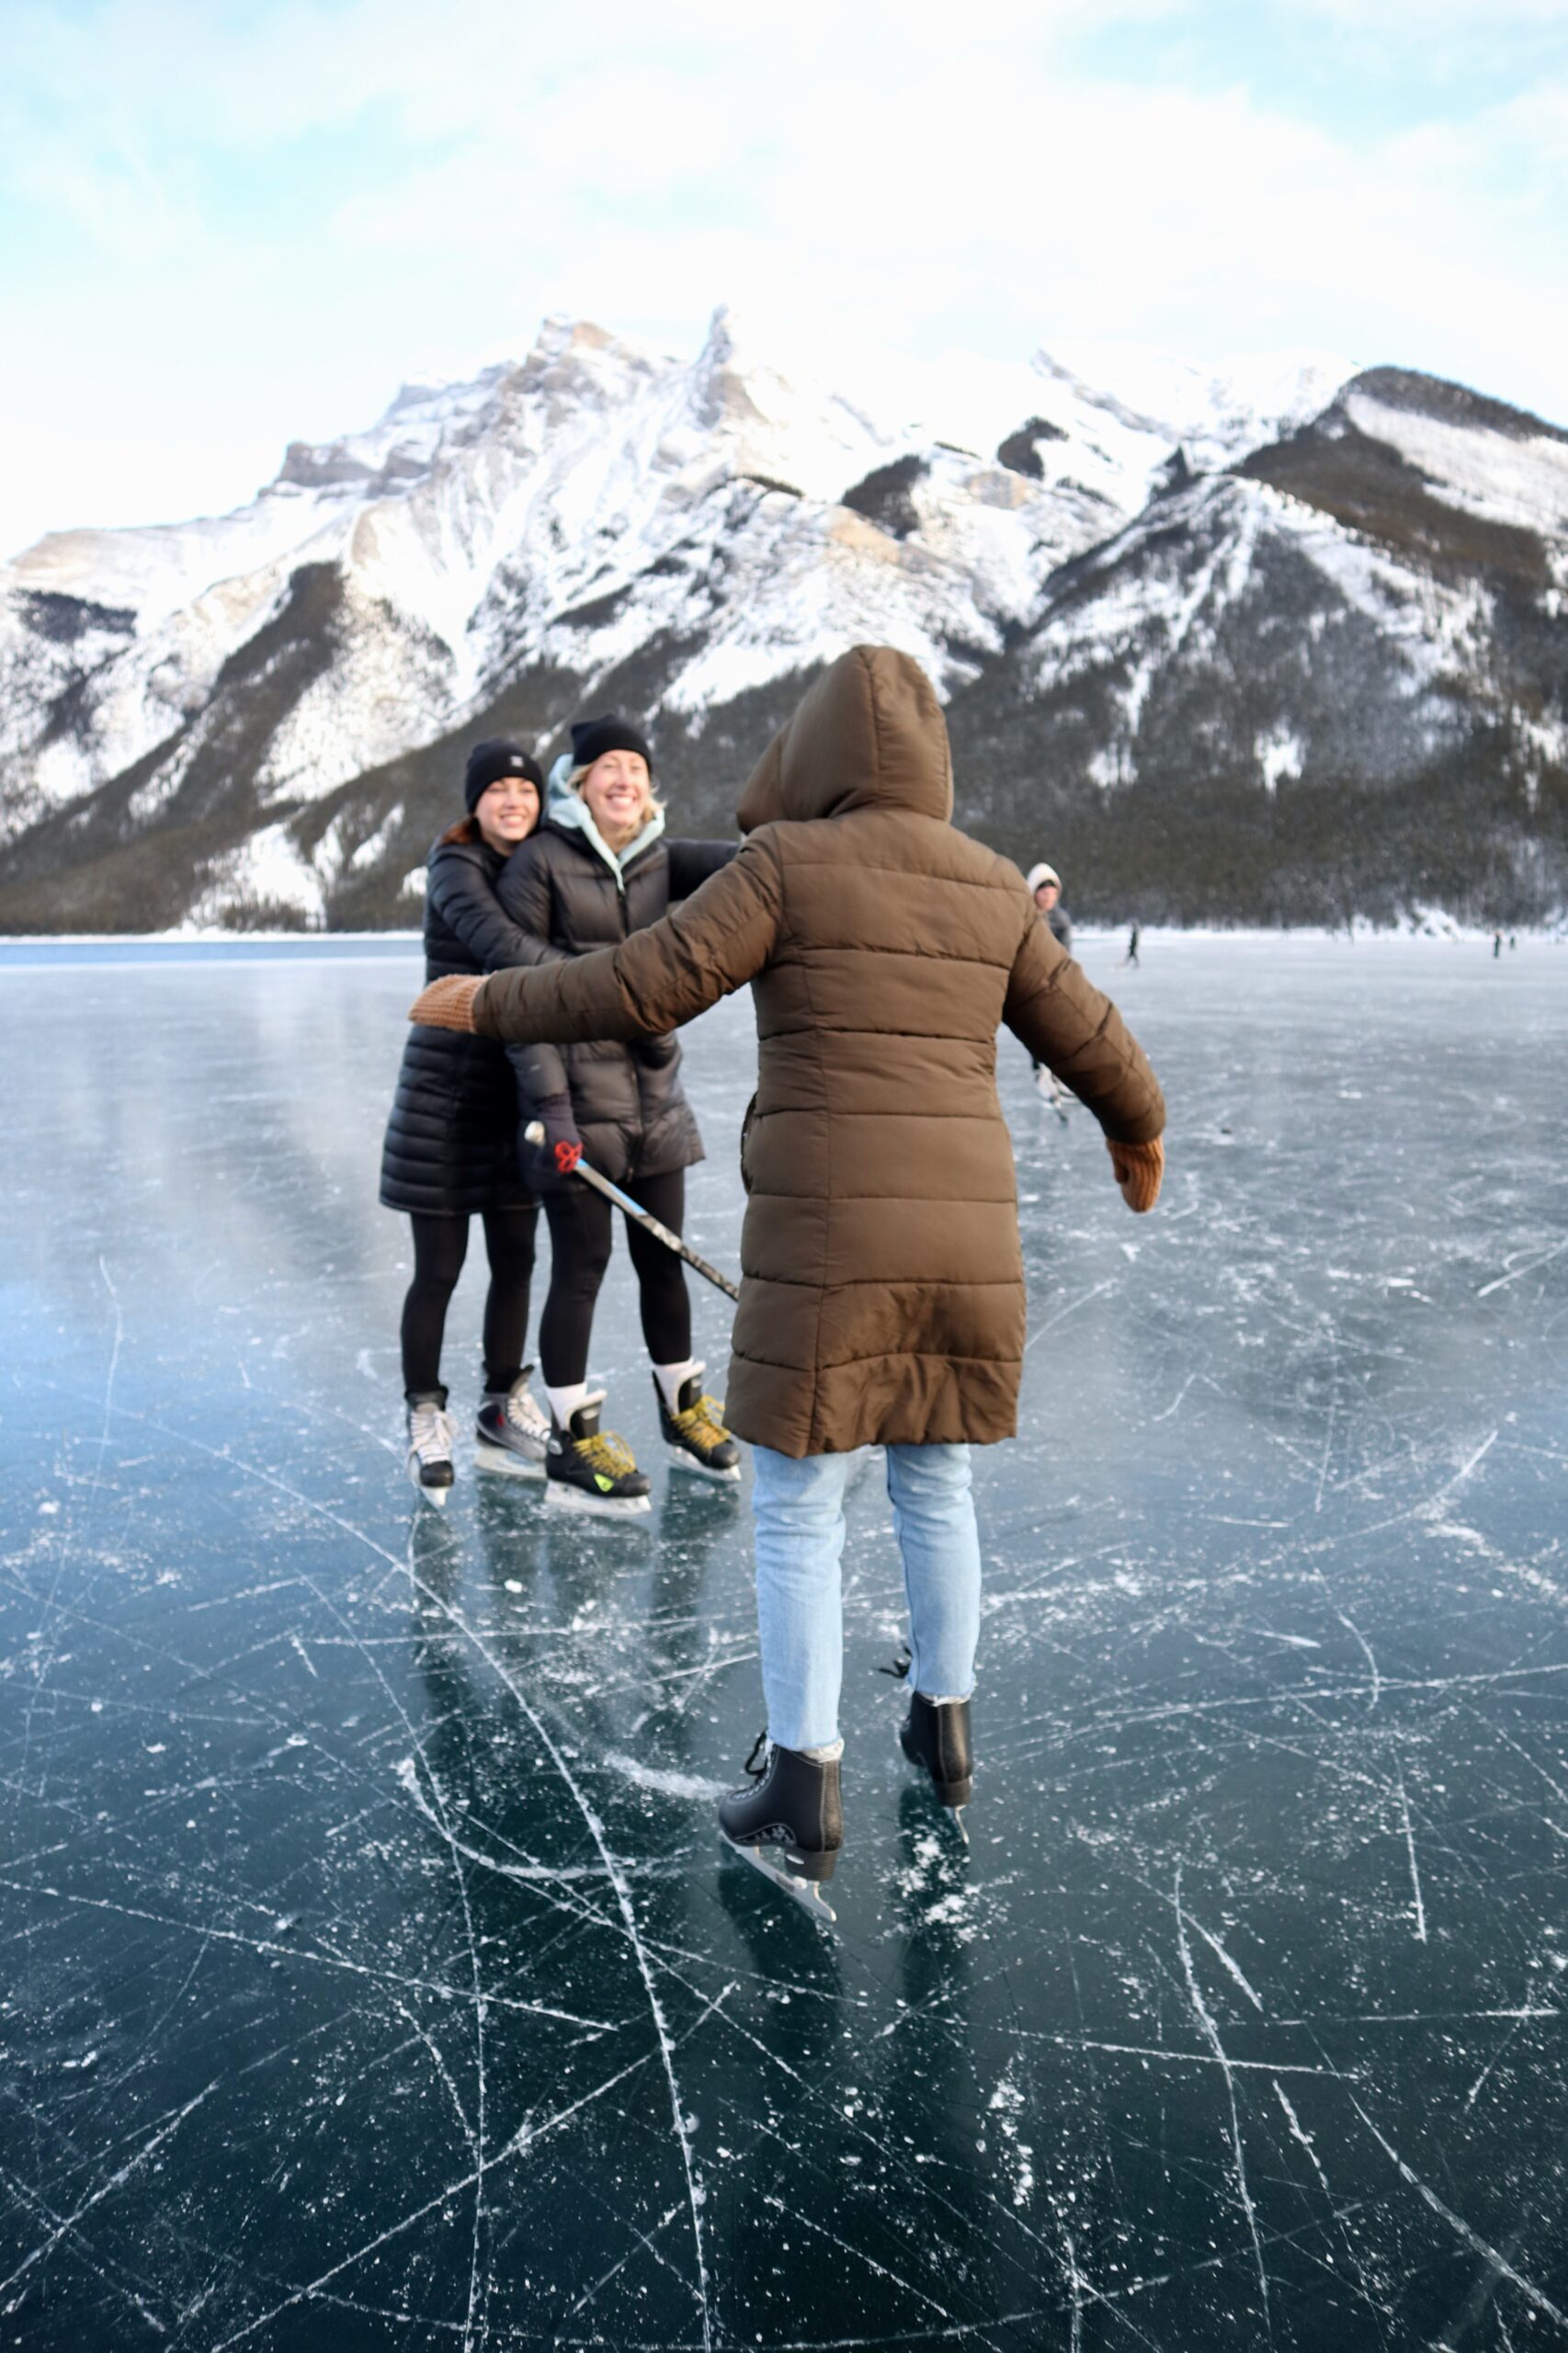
[882,1289]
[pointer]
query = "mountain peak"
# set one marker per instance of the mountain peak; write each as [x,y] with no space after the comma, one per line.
[1127,574]
[1215,412]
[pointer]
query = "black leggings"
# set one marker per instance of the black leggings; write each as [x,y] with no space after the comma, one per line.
[440,1245]
[580,1223]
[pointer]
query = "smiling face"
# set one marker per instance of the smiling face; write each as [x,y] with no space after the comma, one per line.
[619,795]
[508,812]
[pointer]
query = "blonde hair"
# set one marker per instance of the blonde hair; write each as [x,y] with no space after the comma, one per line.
[579,776]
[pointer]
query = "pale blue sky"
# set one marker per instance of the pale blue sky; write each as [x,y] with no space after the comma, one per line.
[224,226]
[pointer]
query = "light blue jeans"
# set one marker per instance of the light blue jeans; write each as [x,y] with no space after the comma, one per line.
[799,1508]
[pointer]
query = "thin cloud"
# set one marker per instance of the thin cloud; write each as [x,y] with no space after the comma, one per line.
[255,224]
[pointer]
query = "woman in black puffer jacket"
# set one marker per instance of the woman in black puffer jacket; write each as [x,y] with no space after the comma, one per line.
[598,868]
[449,1151]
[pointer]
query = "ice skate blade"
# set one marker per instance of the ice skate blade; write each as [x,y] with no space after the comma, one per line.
[572,1500]
[437,1497]
[681,1460]
[951,1814]
[511,1466]
[806,1893]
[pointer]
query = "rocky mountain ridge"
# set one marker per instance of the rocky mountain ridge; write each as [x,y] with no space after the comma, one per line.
[1282,644]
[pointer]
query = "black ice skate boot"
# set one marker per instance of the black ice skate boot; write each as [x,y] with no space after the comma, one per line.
[935,1733]
[511,1433]
[790,1823]
[590,1469]
[694,1436]
[430,1444]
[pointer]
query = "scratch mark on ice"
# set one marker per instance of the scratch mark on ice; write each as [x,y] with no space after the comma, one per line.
[1071,1309]
[668,1784]
[1225,1961]
[1164,1416]
[1304,2137]
[1351,1628]
[1474,2091]
[1211,2034]
[1519,1272]
[132,2164]
[1076,2283]
[1415,1873]
[1461,2229]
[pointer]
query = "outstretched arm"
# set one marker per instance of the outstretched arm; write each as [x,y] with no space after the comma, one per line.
[1077,1031]
[710,945]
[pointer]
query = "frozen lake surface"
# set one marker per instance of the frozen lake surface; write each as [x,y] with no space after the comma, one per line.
[371,1976]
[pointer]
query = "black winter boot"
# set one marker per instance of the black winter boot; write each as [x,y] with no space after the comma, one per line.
[790,1823]
[935,1733]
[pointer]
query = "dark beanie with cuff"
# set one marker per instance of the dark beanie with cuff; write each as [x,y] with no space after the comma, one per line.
[592,738]
[490,761]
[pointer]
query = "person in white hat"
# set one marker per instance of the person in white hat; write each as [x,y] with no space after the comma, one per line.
[1045,888]
[1045,885]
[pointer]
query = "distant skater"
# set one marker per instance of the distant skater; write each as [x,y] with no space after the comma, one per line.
[1045,888]
[1133,936]
[1496,946]
[450,1154]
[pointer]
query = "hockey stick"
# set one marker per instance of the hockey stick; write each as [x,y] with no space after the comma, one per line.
[534,1133]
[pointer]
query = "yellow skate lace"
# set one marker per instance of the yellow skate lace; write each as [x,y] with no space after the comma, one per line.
[607,1453]
[702,1423]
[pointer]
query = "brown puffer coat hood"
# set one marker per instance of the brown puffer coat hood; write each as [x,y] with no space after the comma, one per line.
[868,734]
[882,1294]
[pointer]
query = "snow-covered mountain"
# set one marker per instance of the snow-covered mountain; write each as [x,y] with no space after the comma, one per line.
[1188,624]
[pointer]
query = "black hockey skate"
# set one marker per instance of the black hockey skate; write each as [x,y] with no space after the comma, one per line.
[511,1433]
[590,1469]
[790,1823]
[694,1435]
[935,1734]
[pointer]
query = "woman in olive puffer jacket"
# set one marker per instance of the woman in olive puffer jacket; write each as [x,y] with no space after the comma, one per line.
[450,1149]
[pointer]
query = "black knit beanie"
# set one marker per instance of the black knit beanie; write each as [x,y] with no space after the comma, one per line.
[592,738]
[490,761]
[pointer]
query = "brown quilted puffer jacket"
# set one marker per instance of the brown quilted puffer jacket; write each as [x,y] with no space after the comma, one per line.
[882,1289]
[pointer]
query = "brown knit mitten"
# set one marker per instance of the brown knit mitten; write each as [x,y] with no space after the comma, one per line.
[446,1005]
[1139,1168]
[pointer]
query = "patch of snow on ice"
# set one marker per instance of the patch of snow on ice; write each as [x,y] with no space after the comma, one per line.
[668,1783]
